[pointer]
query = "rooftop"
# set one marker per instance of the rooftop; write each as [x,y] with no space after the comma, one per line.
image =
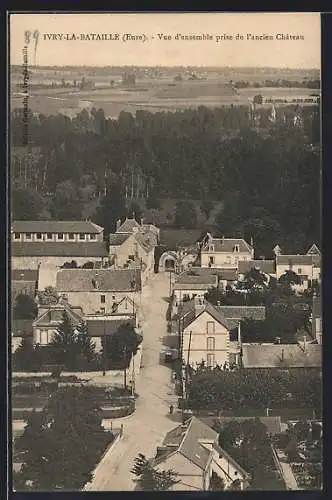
[193,310]
[118,239]
[227,245]
[235,314]
[281,355]
[53,249]
[99,328]
[102,280]
[55,226]
[272,424]
[286,260]
[128,226]
[266,266]
[24,275]
[222,273]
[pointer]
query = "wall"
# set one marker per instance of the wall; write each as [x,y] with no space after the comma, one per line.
[198,347]
[87,238]
[225,260]
[224,468]
[91,301]
[181,294]
[132,247]
[47,276]
[33,262]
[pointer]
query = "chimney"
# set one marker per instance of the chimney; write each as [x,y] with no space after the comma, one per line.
[199,305]
[142,221]
[118,224]
[218,302]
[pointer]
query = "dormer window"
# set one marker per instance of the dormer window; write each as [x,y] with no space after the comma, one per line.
[39,236]
[211,248]
[236,248]
[49,236]
[71,236]
[60,236]
[17,236]
[82,236]
[28,236]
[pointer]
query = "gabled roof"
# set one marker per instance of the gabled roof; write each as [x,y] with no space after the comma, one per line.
[53,315]
[243,312]
[227,245]
[266,266]
[24,275]
[55,226]
[194,313]
[118,239]
[313,250]
[128,226]
[281,355]
[285,260]
[145,242]
[132,304]
[101,280]
[56,249]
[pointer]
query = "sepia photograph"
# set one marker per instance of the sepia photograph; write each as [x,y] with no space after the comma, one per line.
[165,238]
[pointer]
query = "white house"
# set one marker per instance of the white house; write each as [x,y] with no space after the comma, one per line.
[189,286]
[307,266]
[225,252]
[192,450]
[99,290]
[205,335]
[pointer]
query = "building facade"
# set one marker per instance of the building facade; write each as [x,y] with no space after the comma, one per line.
[225,252]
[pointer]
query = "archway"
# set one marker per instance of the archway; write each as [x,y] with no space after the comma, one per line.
[169,264]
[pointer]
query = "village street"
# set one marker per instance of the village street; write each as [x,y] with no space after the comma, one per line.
[144,430]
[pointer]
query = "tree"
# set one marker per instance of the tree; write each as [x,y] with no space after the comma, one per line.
[70,265]
[258,99]
[66,203]
[216,483]
[25,307]
[185,215]
[290,278]
[27,204]
[65,343]
[255,280]
[111,209]
[302,429]
[206,207]
[62,444]
[119,348]
[48,296]
[153,202]
[88,265]
[23,358]
[151,479]
[85,344]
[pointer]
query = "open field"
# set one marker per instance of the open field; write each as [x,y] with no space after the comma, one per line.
[162,93]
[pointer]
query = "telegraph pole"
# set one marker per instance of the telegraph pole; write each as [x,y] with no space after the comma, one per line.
[125,367]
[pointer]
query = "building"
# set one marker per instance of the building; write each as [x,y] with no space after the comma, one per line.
[50,317]
[52,243]
[236,314]
[188,286]
[97,291]
[204,335]
[225,252]
[301,355]
[177,261]
[133,242]
[192,450]
[101,327]
[24,282]
[307,266]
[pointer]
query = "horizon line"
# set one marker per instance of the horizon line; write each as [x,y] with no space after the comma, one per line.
[168,66]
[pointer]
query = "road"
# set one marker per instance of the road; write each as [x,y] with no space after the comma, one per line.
[145,429]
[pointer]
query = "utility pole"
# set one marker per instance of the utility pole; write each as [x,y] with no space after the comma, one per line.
[125,367]
[170,283]
[104,350]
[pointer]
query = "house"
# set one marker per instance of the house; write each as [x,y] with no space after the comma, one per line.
[188,286]
[316,319]
[98,290]
[192,450]
[236,314]
[50,317]
[21,330]
[225,252]
[104,326]
[204,335]
[301,355]
[24,282]
[307,266]
[267,267]
[134,242]
[225,277]
[52,243]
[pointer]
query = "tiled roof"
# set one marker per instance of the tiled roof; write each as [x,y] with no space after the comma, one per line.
[270,355]
[191,279]
[99,328]
[285,260]
[266,266]
[193,313]
[53,249]
[22,327]
[55,226]
[222,273]
[24,275]
[128,226]
[54,314]
[103,280]
[243,312]
[118,239]
[227,245]
[145,242]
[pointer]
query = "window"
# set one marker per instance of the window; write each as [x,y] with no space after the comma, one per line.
[236,248]
[49,236]
[210,327]
[102,310]
[113,297]
[211,248]
[210,360]
[210,343]
[228,259]
[82,236]
[43,337]
[211,260]
[93,236]
[60,236]
[102,299]
[71,236]
[17,236]
[299,271]
[28,236]
[39,236]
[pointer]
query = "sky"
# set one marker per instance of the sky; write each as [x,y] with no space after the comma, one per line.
[153,51]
